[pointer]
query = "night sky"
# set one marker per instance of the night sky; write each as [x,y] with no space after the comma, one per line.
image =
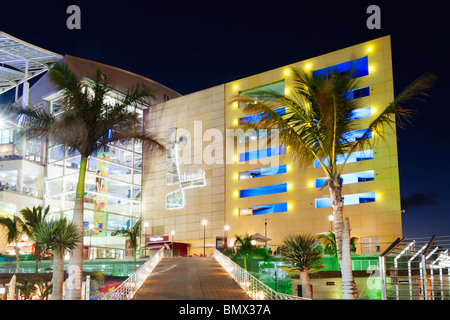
[190,46]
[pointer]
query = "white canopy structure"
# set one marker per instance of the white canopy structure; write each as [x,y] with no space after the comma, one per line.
[21,61]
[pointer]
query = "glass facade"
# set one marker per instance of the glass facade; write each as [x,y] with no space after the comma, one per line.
[112,187]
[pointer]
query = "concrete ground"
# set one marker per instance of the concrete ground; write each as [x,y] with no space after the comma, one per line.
[190,278]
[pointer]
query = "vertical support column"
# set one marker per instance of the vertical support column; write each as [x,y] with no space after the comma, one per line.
[383,278]
[423,272]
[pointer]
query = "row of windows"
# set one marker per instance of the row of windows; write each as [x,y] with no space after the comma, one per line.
[360,68]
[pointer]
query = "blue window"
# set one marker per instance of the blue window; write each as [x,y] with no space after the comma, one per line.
[359,67]
[257,117]
[358,93]
[349,178]
[354,157]
[355,135]
[262,172]
[261,191]
[262,153]
[349,199]
[361,113]
[264,209]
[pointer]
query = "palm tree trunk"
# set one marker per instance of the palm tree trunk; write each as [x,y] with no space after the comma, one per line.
[337,204]
[76,259]
[16,248]
[58,276]
[342,237]
[306,285]
[349,289]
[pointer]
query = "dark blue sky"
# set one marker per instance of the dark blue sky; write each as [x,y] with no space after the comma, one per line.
[191,45]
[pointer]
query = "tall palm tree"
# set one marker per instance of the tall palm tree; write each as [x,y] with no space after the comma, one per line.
[14,234]
[133,235]
[246,250]
[302,253]
[59,237]
[31,218]
[89,122]
[318,116]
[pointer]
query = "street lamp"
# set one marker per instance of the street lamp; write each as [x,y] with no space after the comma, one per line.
[172,234]
[204,222]
[145,238]
[225,236]
[331,218]
[91,227]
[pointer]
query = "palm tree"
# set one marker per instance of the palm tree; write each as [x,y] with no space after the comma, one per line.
[31,218]
[302,253]
[43,289]
[59,237]
[88,123]
[14,234]
[133,235]
[328,242]
[248,251]
[318,116]
[27,288]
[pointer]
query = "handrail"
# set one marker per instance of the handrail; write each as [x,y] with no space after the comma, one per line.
[254,288]
[130,286]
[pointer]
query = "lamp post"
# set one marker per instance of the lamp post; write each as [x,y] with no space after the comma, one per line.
[91,227]
[331,218]
[172,233]
[204,222]
[145,235]
[225,236]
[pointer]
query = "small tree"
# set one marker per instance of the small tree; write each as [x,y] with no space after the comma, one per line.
[133,235]
[248,251]
[302,253]
[31,219]
[59,237]
[27,288]
[328,242]
[14,233]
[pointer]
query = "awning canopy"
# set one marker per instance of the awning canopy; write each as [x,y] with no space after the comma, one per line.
[20,60]
[260,238]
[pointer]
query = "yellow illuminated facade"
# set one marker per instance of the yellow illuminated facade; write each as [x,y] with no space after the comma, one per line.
[376,223]
[266,191]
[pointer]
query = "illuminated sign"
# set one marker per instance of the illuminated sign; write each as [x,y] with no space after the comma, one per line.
[158,239]
[196,179]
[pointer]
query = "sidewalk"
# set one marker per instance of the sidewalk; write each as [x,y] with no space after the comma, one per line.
[190,278]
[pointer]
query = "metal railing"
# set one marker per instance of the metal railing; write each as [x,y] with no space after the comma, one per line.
[254,288]
[416,269]
[130,286]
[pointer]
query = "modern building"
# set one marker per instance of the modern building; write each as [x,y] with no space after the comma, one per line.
[217,172]
[216,180]
[34,173]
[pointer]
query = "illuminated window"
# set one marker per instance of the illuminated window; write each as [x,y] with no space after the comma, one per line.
[261,191]
[262,153]
[358,93]
[257,117]
[355,135]
[264,92]
[264,209]
[361,113]
[349,199]
[354,157]
[262,172]
[360,68]
[349,178]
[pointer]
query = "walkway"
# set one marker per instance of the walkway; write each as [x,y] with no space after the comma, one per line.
[192,278]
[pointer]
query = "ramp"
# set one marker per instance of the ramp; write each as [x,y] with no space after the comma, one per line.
[193,278]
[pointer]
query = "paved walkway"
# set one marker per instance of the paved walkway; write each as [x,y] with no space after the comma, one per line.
[189,278]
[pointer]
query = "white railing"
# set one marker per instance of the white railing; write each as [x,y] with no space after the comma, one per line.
[254,288]
[130,286]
